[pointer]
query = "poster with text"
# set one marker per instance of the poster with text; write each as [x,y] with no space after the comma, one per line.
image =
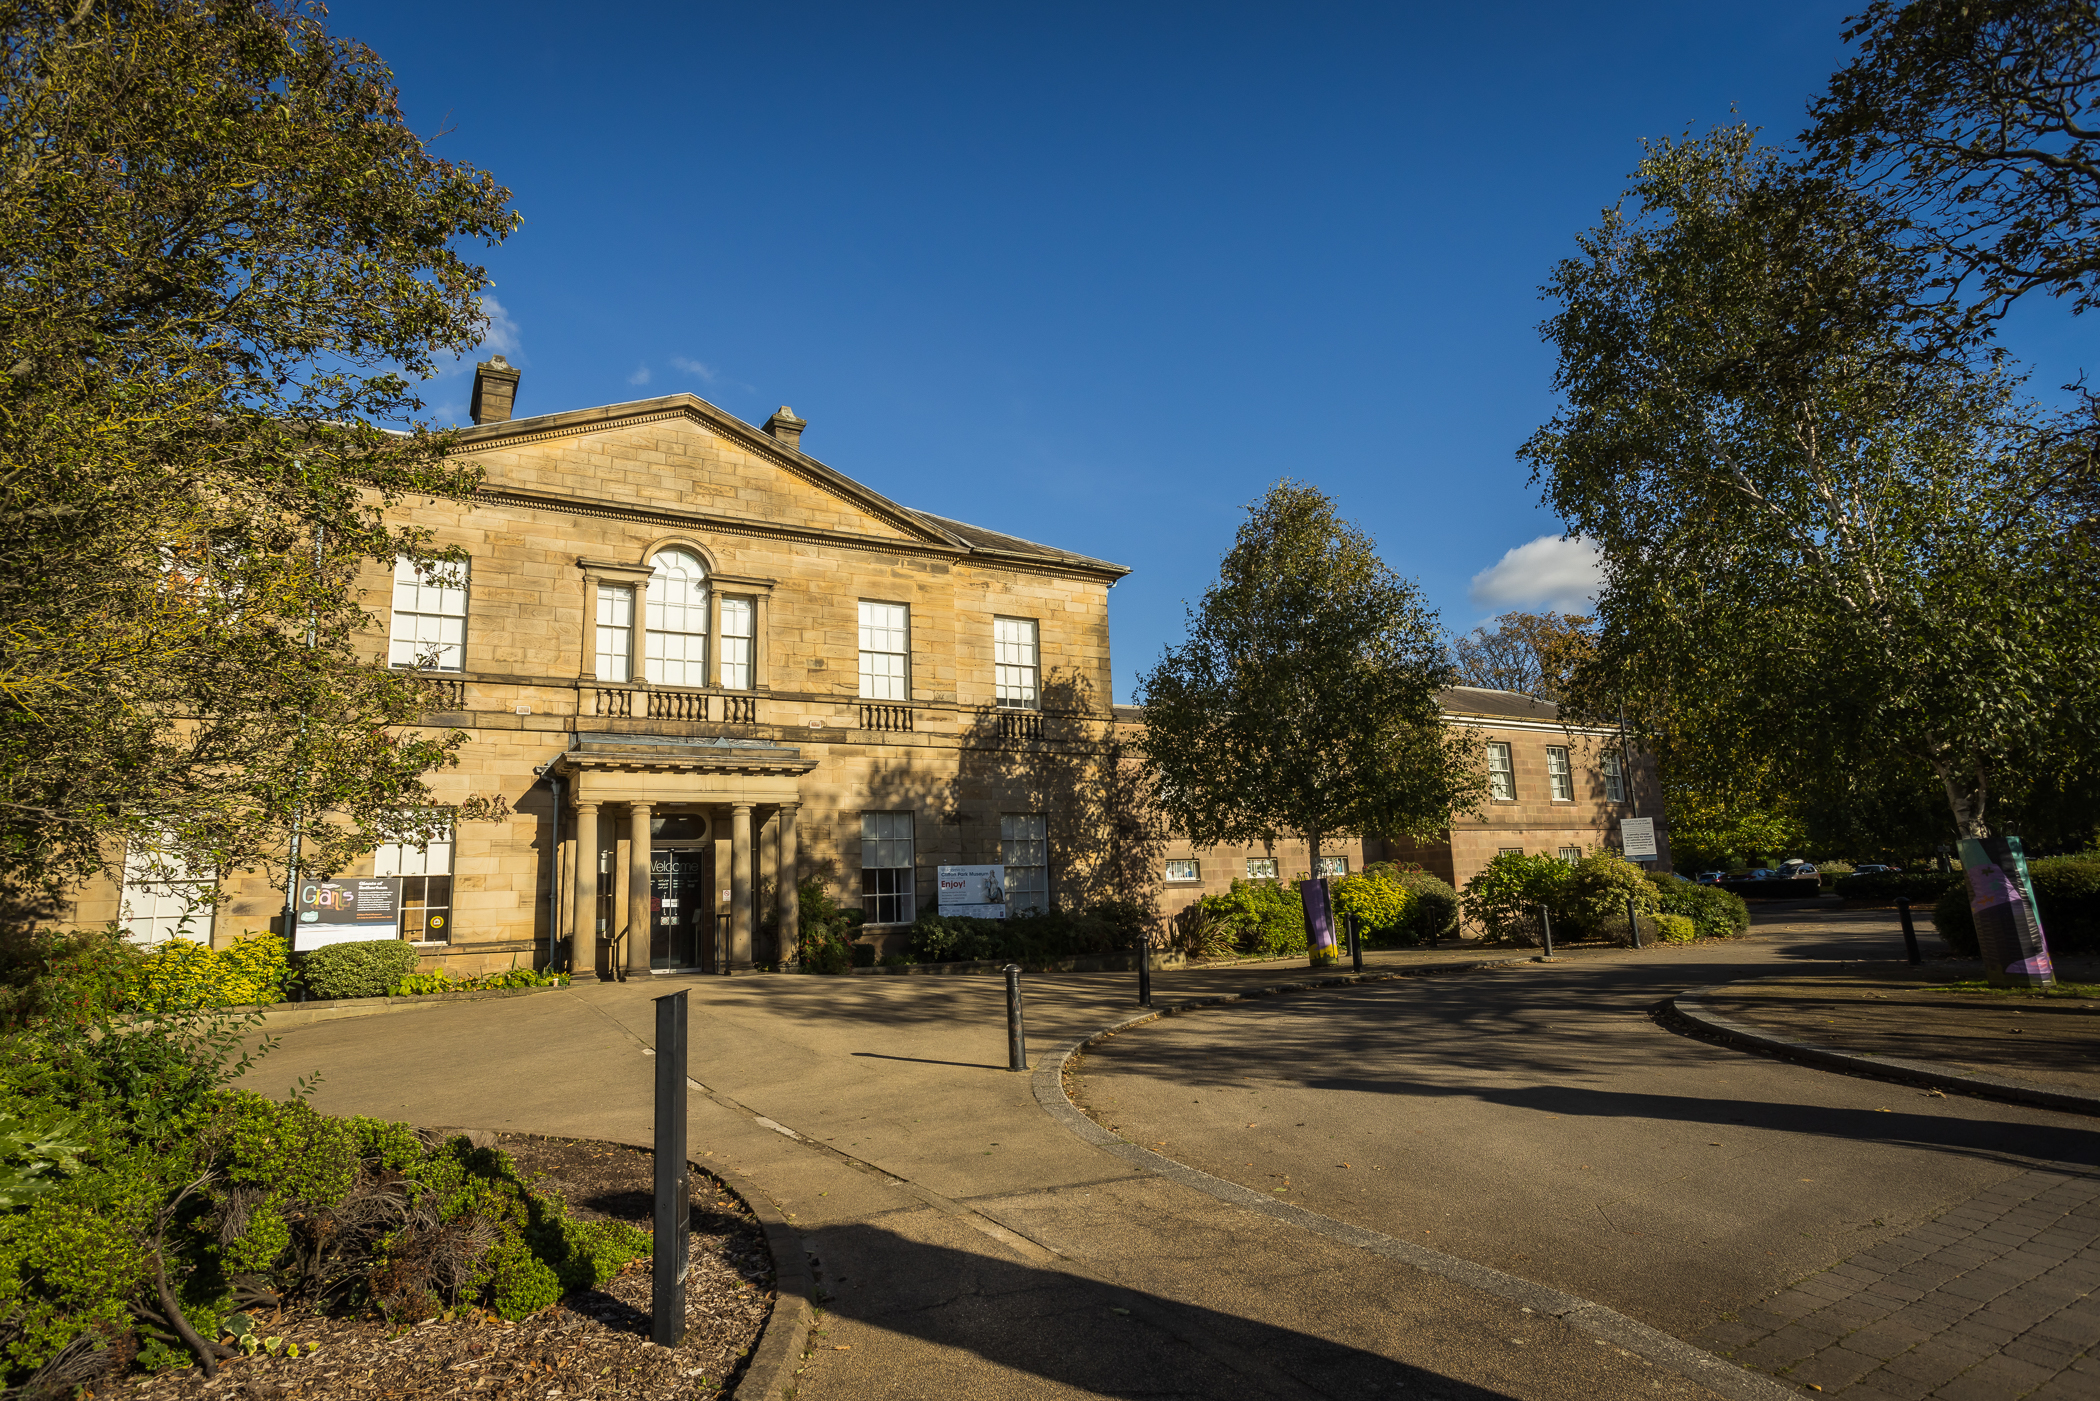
[343,911]
[974,892]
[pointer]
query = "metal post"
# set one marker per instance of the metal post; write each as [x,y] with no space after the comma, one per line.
[1356,943]
[674,1198]
[1144,953]
[1546,928]
[1016,1038]
[1910,933]
[1633,923]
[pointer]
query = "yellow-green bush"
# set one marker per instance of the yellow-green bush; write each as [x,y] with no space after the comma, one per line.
[1375,897]
[441,981]
[183,974]
[1676,929]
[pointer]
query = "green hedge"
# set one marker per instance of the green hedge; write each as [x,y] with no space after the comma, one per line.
[1107,928]
[364,968]
[1919,887]
[2066,898]
[1433,913]
[1715,913]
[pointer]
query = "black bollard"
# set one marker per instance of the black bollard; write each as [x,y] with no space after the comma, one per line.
[1356,943]
[1910,933]
[1016,1038]
[1546,929]
[674,1197]
[1144,953]
[1633,923]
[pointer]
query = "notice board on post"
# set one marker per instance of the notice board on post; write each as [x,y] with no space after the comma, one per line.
[1637,838]
[343,911]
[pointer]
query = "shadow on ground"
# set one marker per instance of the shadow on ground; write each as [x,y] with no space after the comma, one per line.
[1105,1340]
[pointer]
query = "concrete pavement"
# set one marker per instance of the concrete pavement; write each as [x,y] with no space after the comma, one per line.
[966,1244]
[1542,1121]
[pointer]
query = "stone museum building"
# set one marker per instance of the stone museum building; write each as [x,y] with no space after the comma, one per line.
[1553,790]
[698,665]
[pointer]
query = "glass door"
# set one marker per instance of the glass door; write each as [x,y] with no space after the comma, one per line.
[681,918]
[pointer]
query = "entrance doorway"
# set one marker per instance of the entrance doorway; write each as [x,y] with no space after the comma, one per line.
[681,916]
[681,912]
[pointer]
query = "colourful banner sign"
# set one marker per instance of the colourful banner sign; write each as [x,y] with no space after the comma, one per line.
[975,892]
[2008,931]
[339,911]
[1319,918]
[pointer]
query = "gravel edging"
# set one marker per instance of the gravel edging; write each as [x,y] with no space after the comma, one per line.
[1693,1363]
[778,1355]
[1687,1007]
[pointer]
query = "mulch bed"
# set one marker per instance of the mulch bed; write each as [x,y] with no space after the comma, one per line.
[594,1344]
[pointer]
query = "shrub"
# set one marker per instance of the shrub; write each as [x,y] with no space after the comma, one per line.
[1599,887]
[2066,899]
[418,984]
[1110,927]
[1377,899]
[362,968]
[182,973]
[1919,887]
[345,1214]
[1433,913]
[826,931]
[1715,913]
[1504,897]
[1675,929]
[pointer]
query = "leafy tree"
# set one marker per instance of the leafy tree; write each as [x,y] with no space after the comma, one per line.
[1853,560]
[1305,698]
[224,261]
[1979,122]
[1529,653]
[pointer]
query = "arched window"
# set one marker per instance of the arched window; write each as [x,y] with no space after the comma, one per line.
[677,654]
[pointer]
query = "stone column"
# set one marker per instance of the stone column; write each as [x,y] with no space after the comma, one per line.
[583,942]
[740,885]
[789,873]
[640,923]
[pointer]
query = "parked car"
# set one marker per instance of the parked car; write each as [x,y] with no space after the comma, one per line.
[1875,870]
[1710,877]
[1804,871]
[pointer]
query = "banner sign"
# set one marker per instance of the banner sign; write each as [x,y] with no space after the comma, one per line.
[974,892]
[340,911]
[2008,932]
[1637,838]
[1319,915]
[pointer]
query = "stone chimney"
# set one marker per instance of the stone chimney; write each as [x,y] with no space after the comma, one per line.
[787,428]
[495,390]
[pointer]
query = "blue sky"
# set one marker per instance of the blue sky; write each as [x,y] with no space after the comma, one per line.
[1091,275]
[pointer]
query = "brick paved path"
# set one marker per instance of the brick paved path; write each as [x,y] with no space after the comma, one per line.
[1991,1301]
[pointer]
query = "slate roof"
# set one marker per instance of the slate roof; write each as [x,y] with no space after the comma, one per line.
[1478,700]
[982,541]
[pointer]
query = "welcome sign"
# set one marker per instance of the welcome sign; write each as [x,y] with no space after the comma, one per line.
[340,911]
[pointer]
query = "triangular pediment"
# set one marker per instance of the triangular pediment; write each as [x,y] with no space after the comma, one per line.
[680,453]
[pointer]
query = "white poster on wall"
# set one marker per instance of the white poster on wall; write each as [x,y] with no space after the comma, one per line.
[976,892]
[1637,838]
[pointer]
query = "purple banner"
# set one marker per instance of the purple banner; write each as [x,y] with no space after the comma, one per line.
[1319,918]
[2008,931]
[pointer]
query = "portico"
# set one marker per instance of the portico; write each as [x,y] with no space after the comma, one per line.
[663,862]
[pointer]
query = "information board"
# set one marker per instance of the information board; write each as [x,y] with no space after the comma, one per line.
[1637,838]
[341,911]
[975,892]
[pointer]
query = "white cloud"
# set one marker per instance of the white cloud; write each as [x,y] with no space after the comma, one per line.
[640,375]
[1551,572]
[502,334]
[706,374]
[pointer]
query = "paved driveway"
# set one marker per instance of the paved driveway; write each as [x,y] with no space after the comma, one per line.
[1542,1121]
[970,1245]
